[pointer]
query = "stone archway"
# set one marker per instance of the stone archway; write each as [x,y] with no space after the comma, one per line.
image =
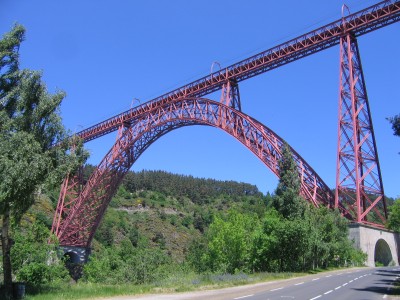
[383,254]
[72,257]
[74,260]
[380,244]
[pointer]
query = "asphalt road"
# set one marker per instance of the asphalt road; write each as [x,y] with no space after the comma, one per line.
[354,284]
[371,284]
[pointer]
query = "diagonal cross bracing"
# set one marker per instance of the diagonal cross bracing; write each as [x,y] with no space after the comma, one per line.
[359,23]
[82,220]
[77,218]
[358,179]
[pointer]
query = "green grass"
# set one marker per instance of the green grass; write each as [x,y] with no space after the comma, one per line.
[180,282]
[87,291]
[174,283]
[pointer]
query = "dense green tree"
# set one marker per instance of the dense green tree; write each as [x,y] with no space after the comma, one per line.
[282,244]
[393,222]
[244,242]
[263,252]
[29,127]
[34,261]
[126,264]
[230,241]
[395,121]
[287,200]
[328,238]
[196,254]
[292,243]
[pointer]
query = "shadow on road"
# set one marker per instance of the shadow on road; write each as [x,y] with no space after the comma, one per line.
[390,285]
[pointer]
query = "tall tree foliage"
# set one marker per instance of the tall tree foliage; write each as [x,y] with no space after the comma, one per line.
[240,242]
[395,121]
[29,127]
[230,242]
[291,236]
[31,255]
[287,200]
[393,222]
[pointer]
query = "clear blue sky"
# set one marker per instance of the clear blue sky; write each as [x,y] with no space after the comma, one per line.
[106,53]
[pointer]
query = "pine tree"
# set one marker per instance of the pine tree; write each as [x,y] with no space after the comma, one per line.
[287,199]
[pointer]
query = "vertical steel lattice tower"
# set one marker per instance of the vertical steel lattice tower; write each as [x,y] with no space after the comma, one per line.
[358,176]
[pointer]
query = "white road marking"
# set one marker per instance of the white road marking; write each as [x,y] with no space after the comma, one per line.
[384,296]
[326,293]
[243,297]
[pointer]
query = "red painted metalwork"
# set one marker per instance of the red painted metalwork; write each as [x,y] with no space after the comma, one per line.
[359,23]
[79,226]
[358,179]
[78,217]
[70,191]
[230,95]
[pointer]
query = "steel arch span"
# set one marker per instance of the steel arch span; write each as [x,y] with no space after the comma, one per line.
[76,220]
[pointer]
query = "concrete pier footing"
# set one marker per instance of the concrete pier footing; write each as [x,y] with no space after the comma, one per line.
[76,255]
[381,245]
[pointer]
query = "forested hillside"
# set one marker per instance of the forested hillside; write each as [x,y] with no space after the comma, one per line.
[160,224]
[167,211]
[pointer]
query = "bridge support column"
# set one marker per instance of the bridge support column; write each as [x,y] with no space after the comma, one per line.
[230,95]
[380,245]
[358,176]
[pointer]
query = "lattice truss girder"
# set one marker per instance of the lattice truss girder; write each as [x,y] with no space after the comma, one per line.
[359,23]
[117,162]
[359,182]
[78,227]
[71,188]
